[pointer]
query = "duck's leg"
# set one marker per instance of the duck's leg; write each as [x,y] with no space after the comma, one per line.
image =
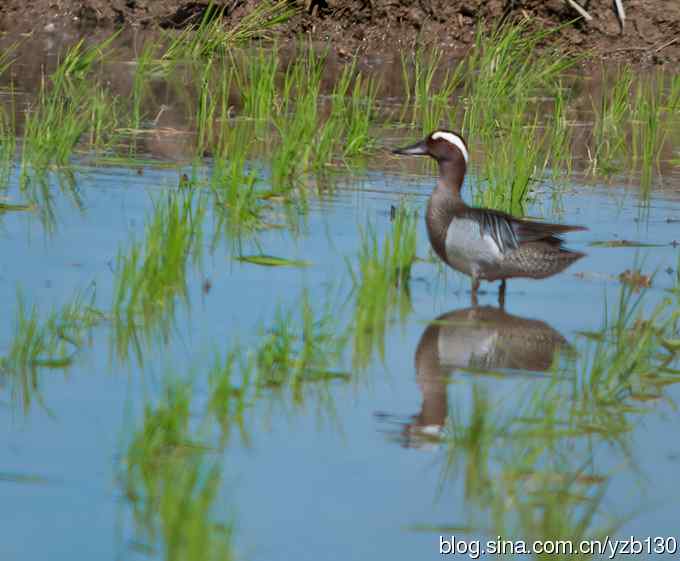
[501,294]
[475,288]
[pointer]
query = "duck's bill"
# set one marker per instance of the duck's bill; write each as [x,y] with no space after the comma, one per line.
[417,149]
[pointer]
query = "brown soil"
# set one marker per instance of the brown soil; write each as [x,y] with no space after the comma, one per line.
[651,34]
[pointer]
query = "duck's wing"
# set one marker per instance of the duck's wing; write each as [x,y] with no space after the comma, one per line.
[509,232]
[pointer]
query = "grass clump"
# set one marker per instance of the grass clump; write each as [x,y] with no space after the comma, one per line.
[503,77]
[297,120]
[212,114]
[428,98]
[649,128]
[145,64]
[256,81]
[210,37]
[346,131]
[53,128]
[517,162]
[558,137]
[308,142]
[239,206]
[7,145]
[503,67]
[7,57]
[151,276]
[66,108]
[611,114]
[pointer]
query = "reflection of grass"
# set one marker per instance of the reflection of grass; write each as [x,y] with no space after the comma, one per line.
[381,283]
[172,476]
[45,343]
[520,472]
[41,190]
[172,484]
[298,349]
[295,356]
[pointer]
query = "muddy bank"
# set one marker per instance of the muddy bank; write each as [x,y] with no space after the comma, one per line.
[650,35]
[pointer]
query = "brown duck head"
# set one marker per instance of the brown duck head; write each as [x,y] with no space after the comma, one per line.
[450,151]
[442,145]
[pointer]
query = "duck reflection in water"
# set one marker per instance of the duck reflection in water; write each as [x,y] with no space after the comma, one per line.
[478,338]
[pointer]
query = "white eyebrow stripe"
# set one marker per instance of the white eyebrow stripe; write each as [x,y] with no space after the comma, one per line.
[454,139]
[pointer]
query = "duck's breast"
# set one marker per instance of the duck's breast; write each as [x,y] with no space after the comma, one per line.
[470,251]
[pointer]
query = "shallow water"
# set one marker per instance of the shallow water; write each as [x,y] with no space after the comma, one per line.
[308,484]
[356,468]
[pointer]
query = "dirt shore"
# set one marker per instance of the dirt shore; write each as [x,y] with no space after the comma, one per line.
[650,35]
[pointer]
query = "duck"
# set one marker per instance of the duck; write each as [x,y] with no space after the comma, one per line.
[483,243]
